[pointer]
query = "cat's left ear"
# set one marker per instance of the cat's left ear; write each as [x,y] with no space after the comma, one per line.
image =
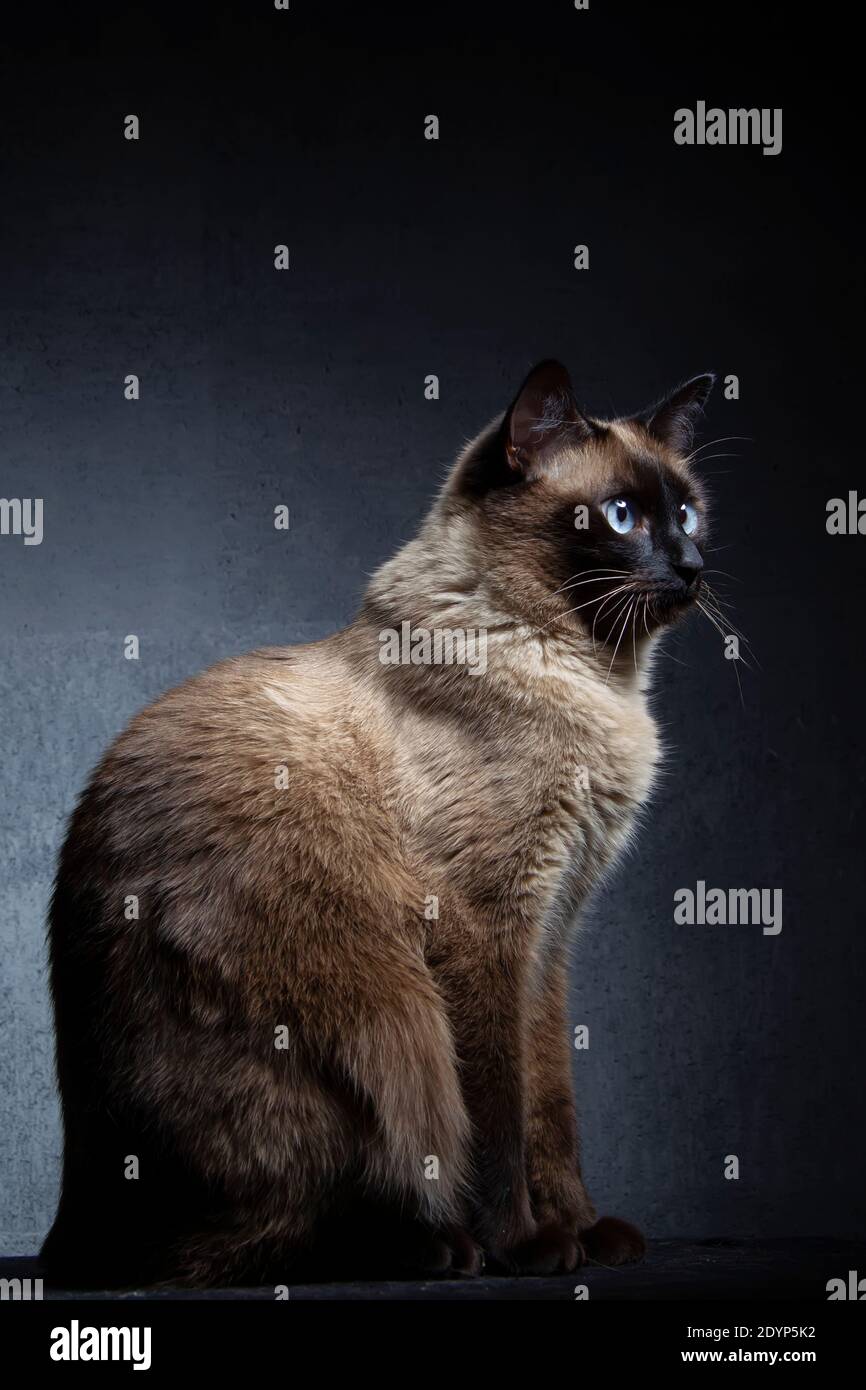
[674,419]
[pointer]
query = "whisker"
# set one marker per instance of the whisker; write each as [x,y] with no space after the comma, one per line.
[718,604]
[596,578]
[619,639]
[715,604]
[568,611]
[671,657]
[614,620]
[708,457]
[723,439]
[726,573]
[595,620]
[722,634]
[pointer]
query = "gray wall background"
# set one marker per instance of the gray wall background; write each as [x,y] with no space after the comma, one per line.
[410,257]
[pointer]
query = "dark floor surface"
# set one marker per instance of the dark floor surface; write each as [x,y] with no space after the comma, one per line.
[673,1269]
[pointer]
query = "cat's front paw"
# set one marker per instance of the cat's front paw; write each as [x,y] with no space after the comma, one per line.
[611,1241]
[553,1249]
[448,1253]
[467,1257]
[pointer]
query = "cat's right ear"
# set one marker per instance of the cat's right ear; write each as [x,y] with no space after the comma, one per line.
[543,416]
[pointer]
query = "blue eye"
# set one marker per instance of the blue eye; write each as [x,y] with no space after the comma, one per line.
[620,514]
[688,518]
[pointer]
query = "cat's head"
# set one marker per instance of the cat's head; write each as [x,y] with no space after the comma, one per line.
[597,524]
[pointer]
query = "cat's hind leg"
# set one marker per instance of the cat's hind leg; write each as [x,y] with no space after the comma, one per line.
[364,1099]
[368,1014]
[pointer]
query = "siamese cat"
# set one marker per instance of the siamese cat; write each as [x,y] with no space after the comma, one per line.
[310,926]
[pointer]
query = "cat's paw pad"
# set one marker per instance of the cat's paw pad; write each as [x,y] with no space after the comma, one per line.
[552,1250]
[612,1241]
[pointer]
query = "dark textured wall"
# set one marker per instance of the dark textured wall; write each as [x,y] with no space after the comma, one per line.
[454,257]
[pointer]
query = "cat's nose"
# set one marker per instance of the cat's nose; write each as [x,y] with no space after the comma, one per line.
[689,573]
[687,562]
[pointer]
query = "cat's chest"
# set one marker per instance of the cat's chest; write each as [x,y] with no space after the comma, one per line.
[585,795]
[531,819]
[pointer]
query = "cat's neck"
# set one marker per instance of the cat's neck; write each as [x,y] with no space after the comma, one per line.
[435,585]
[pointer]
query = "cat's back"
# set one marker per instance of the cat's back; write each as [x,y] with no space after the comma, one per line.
[221,723]
[256,767]
[221,729]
